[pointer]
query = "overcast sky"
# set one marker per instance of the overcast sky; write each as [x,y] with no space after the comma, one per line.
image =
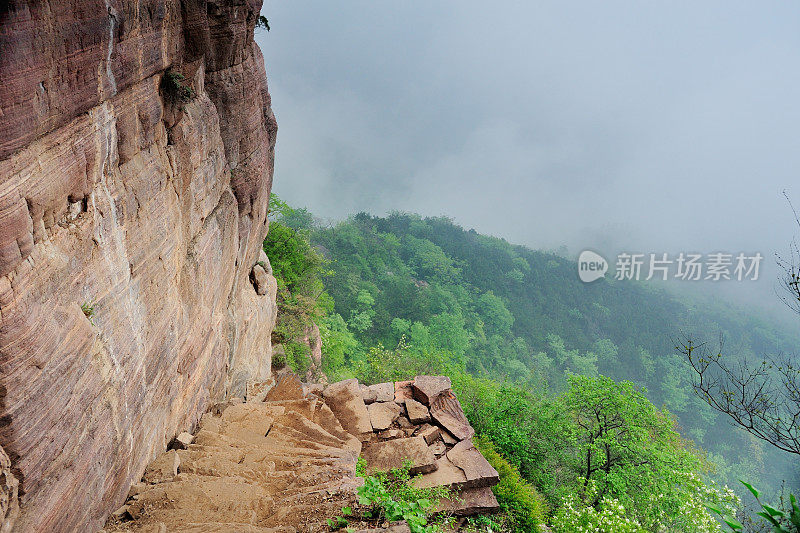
[646,126]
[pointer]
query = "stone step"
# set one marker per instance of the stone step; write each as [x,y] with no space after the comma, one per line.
[325,418]
[191,498]
[308,517]
[288,463]
[311,430]
[306,406]
[287,387]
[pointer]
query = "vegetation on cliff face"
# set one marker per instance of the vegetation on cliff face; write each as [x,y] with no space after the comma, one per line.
[560,379]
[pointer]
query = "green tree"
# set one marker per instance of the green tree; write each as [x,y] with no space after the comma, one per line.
[628,450]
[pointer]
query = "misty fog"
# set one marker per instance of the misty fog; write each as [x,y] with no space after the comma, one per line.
[612,126]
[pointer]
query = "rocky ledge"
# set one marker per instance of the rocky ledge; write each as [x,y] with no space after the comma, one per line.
[285,460]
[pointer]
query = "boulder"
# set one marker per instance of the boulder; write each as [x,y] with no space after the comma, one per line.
[263,260]
[121,513]
[428,432]
[384,392]
[388,454]
[367,394]
[470,502]
[417,412]
[447,412]
[427,388]
[183,440]
[478,471]
[260,279]
[382,414]
[344,399]
[163,469]
[402,390]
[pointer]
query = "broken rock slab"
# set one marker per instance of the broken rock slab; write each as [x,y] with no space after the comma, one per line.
[417,412]
[344,399]
[429,433]
[427,388]
[183,440]
[384,392]
[470,502]
[447,412]
[382,414]
[446,475]
[367,394]
[478,471]
[403,390]
[388,454]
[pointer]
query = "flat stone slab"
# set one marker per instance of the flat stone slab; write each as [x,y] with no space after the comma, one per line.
[470,502]
[417,412]
[389,454]
[447,412]
[183,440]
[384,392]
[344,399]
[478,471]
[427,388]
[446,475]
[382,414]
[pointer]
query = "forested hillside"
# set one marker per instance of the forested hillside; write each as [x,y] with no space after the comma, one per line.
[404,293]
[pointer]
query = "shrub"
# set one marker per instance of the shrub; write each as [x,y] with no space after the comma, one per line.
[522,504]
[610,515]
[173,86]
[392,496]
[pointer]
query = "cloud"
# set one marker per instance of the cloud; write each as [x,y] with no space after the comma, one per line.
[604,125]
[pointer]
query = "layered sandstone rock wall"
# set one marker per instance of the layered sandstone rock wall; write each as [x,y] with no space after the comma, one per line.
[149,210]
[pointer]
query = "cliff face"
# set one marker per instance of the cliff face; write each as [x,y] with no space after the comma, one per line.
[116,196]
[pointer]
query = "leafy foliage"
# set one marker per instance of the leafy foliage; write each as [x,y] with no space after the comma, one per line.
[262,22]
[174,87]
[392,496]
[522,316]
[782,521]
[524,508]
[528,348]
[302,299]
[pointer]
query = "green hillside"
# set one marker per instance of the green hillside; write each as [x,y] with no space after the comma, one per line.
[425,294]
